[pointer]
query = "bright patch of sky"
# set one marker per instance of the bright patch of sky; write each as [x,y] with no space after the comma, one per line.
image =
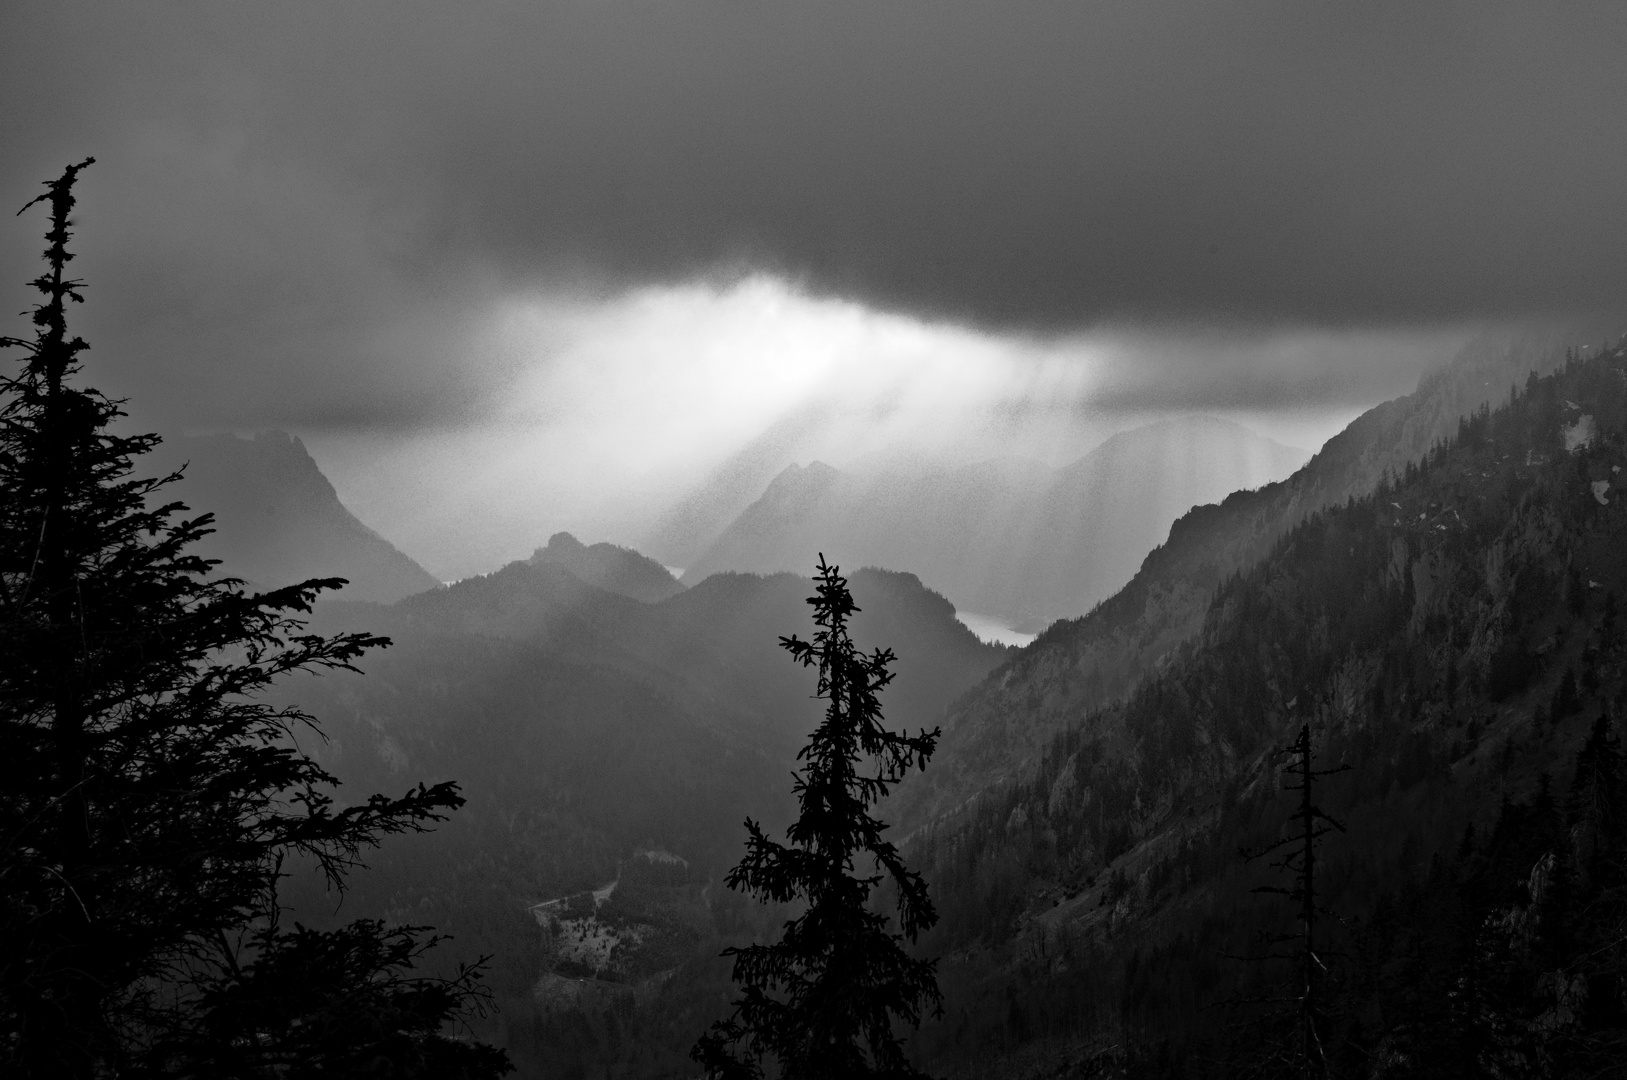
[616,409]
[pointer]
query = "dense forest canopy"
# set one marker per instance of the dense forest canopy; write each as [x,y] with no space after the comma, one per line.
[1459,632]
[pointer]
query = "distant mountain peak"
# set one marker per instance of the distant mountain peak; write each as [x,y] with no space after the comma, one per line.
[609,567]
[278,519]
[796,481]
[1009,538]
[559,544]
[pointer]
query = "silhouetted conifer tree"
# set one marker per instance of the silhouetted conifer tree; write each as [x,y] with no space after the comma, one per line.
[148,796]
[822,1002]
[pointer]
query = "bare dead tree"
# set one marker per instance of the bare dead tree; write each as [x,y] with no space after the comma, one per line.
[1294,857]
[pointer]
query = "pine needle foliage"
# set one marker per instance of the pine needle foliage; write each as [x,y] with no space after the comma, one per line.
[823,1001]
[149,795]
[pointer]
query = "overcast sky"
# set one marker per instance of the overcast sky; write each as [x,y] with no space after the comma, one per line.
[378,223]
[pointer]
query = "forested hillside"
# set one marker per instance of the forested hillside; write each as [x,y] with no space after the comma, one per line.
[1079,665]
[1079,830]
[1455,638]
[609,750]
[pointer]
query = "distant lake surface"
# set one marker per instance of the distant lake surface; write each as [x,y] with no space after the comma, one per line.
[993,629]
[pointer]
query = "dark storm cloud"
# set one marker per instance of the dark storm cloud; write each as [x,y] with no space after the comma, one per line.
[1349,368]
[280,181]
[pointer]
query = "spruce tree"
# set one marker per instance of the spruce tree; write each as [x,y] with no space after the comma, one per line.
[149,795]
[823,1000]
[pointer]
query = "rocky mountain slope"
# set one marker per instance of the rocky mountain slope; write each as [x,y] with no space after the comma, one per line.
[1010,538]
[1069,818]
[1082,664]
[1455,638]
[277,518]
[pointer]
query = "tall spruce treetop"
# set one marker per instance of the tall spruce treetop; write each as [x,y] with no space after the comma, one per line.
[822,1002]
[148,795]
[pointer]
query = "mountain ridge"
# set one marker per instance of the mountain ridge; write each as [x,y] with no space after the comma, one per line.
[616,569]
[1454,637]
[278,519]
[584,726]
[1009,538]
[1085,663]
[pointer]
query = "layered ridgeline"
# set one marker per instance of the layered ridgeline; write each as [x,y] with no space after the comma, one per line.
[609,749]
[1455,637]
[1082,664]
[1010,538]
[277,518]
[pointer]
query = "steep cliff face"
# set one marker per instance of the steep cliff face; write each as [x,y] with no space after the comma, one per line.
[1080,665]
[277,518]
[1454,637]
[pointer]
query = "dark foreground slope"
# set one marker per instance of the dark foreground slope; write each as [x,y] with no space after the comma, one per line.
[1456,638]
[1080,665]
